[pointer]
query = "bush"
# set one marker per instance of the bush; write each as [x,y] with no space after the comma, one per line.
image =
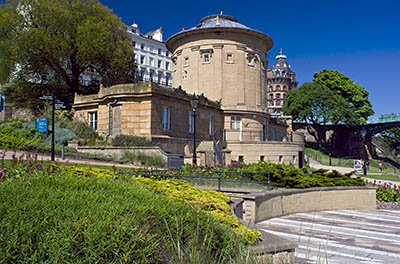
[388,193]
[287,176]
[81,129]
[61,135]
[143,159]
[49,215]
[130,141]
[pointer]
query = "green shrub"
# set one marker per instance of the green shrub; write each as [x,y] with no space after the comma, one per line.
[388,193]
[81,129]
[143,159]
[51,216]
[130,141]
[61,135]
[286,176]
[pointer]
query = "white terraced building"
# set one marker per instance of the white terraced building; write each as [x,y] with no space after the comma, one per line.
[152,57]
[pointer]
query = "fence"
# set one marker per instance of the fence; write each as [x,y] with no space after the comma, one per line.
[207,177]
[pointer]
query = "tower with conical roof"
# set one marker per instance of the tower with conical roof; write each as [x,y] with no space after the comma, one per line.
[280,80]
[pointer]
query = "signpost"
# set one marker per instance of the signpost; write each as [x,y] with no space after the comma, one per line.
[55,104]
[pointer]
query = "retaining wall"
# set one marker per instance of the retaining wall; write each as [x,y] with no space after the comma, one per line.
[268,204]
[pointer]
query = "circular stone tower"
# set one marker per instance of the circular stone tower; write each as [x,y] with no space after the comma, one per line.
[224,60]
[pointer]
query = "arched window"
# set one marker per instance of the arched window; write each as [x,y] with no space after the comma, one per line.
[271,88]
[278,87]
[284,87]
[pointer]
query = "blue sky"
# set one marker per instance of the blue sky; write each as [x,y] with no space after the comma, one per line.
[358,38]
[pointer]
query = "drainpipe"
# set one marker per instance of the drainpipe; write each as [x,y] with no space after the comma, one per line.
[110,118]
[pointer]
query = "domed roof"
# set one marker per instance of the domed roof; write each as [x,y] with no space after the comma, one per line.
[281,67]
[221,21]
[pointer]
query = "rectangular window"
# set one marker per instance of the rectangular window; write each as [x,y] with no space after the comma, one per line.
[167,78]
[142,46]
[262,158]
[159,51]
[212,124]
[271,100]
[151,75]
[151,60]
[159,64]
[186,63]
[229,58]
[142,59]
[241,159]
[165,118]
[159,78]
[235,122]
[191,122]
[134,44]
[206,58]
[280,159]
[167,65]
[92,116]
[278,100]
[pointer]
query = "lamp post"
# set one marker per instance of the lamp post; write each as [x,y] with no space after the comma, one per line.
[194,102]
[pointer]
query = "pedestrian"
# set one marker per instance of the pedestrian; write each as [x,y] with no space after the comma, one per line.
[365,167]
[380,166]
[367,164]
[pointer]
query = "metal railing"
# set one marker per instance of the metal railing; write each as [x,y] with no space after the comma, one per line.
[219,176]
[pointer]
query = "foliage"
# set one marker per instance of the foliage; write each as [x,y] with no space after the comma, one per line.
[14,135]
[102,220]
[81,129]
[130,141]
[388,193]
[288,176]
[317,107]
[61,136]
[392,138]
[354,94]
[143,159]
[64,40]
[208,200]
[26,95]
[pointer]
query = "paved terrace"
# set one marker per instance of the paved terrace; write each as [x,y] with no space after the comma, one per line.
[343,236]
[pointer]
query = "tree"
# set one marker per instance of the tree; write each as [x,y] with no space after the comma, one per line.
[392,138]
[318,107]
[64,40]
[354,94]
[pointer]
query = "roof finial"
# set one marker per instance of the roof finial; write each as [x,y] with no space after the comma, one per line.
[221,12]
[217,23]
[280,51]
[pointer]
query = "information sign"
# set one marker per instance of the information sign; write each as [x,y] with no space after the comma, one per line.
[41,125]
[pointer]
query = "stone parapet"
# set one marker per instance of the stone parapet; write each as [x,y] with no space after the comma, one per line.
[268,204]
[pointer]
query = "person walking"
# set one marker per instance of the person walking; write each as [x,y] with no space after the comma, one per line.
[380,166]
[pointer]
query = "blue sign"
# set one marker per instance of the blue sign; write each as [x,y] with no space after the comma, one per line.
[41,125]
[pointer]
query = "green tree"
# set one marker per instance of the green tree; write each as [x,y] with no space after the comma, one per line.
[392,138]
[63,39]
[354,94]
[317,107]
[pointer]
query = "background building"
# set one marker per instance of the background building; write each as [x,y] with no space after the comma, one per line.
[152,57]
[280,80]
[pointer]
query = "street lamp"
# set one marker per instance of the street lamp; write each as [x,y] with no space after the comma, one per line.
[194,102]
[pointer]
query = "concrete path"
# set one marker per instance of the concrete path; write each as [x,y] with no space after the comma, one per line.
[316,165]
[9,154]
[343,236]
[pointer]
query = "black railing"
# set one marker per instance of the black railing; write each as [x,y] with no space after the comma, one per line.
[242,178]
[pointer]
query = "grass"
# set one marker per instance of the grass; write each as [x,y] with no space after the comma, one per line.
[382,177]
[346,162]
[47,216]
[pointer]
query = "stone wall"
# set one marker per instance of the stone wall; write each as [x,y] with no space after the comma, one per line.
[268,204]
[118,151]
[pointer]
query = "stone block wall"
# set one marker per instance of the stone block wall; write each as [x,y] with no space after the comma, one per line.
[265,205]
